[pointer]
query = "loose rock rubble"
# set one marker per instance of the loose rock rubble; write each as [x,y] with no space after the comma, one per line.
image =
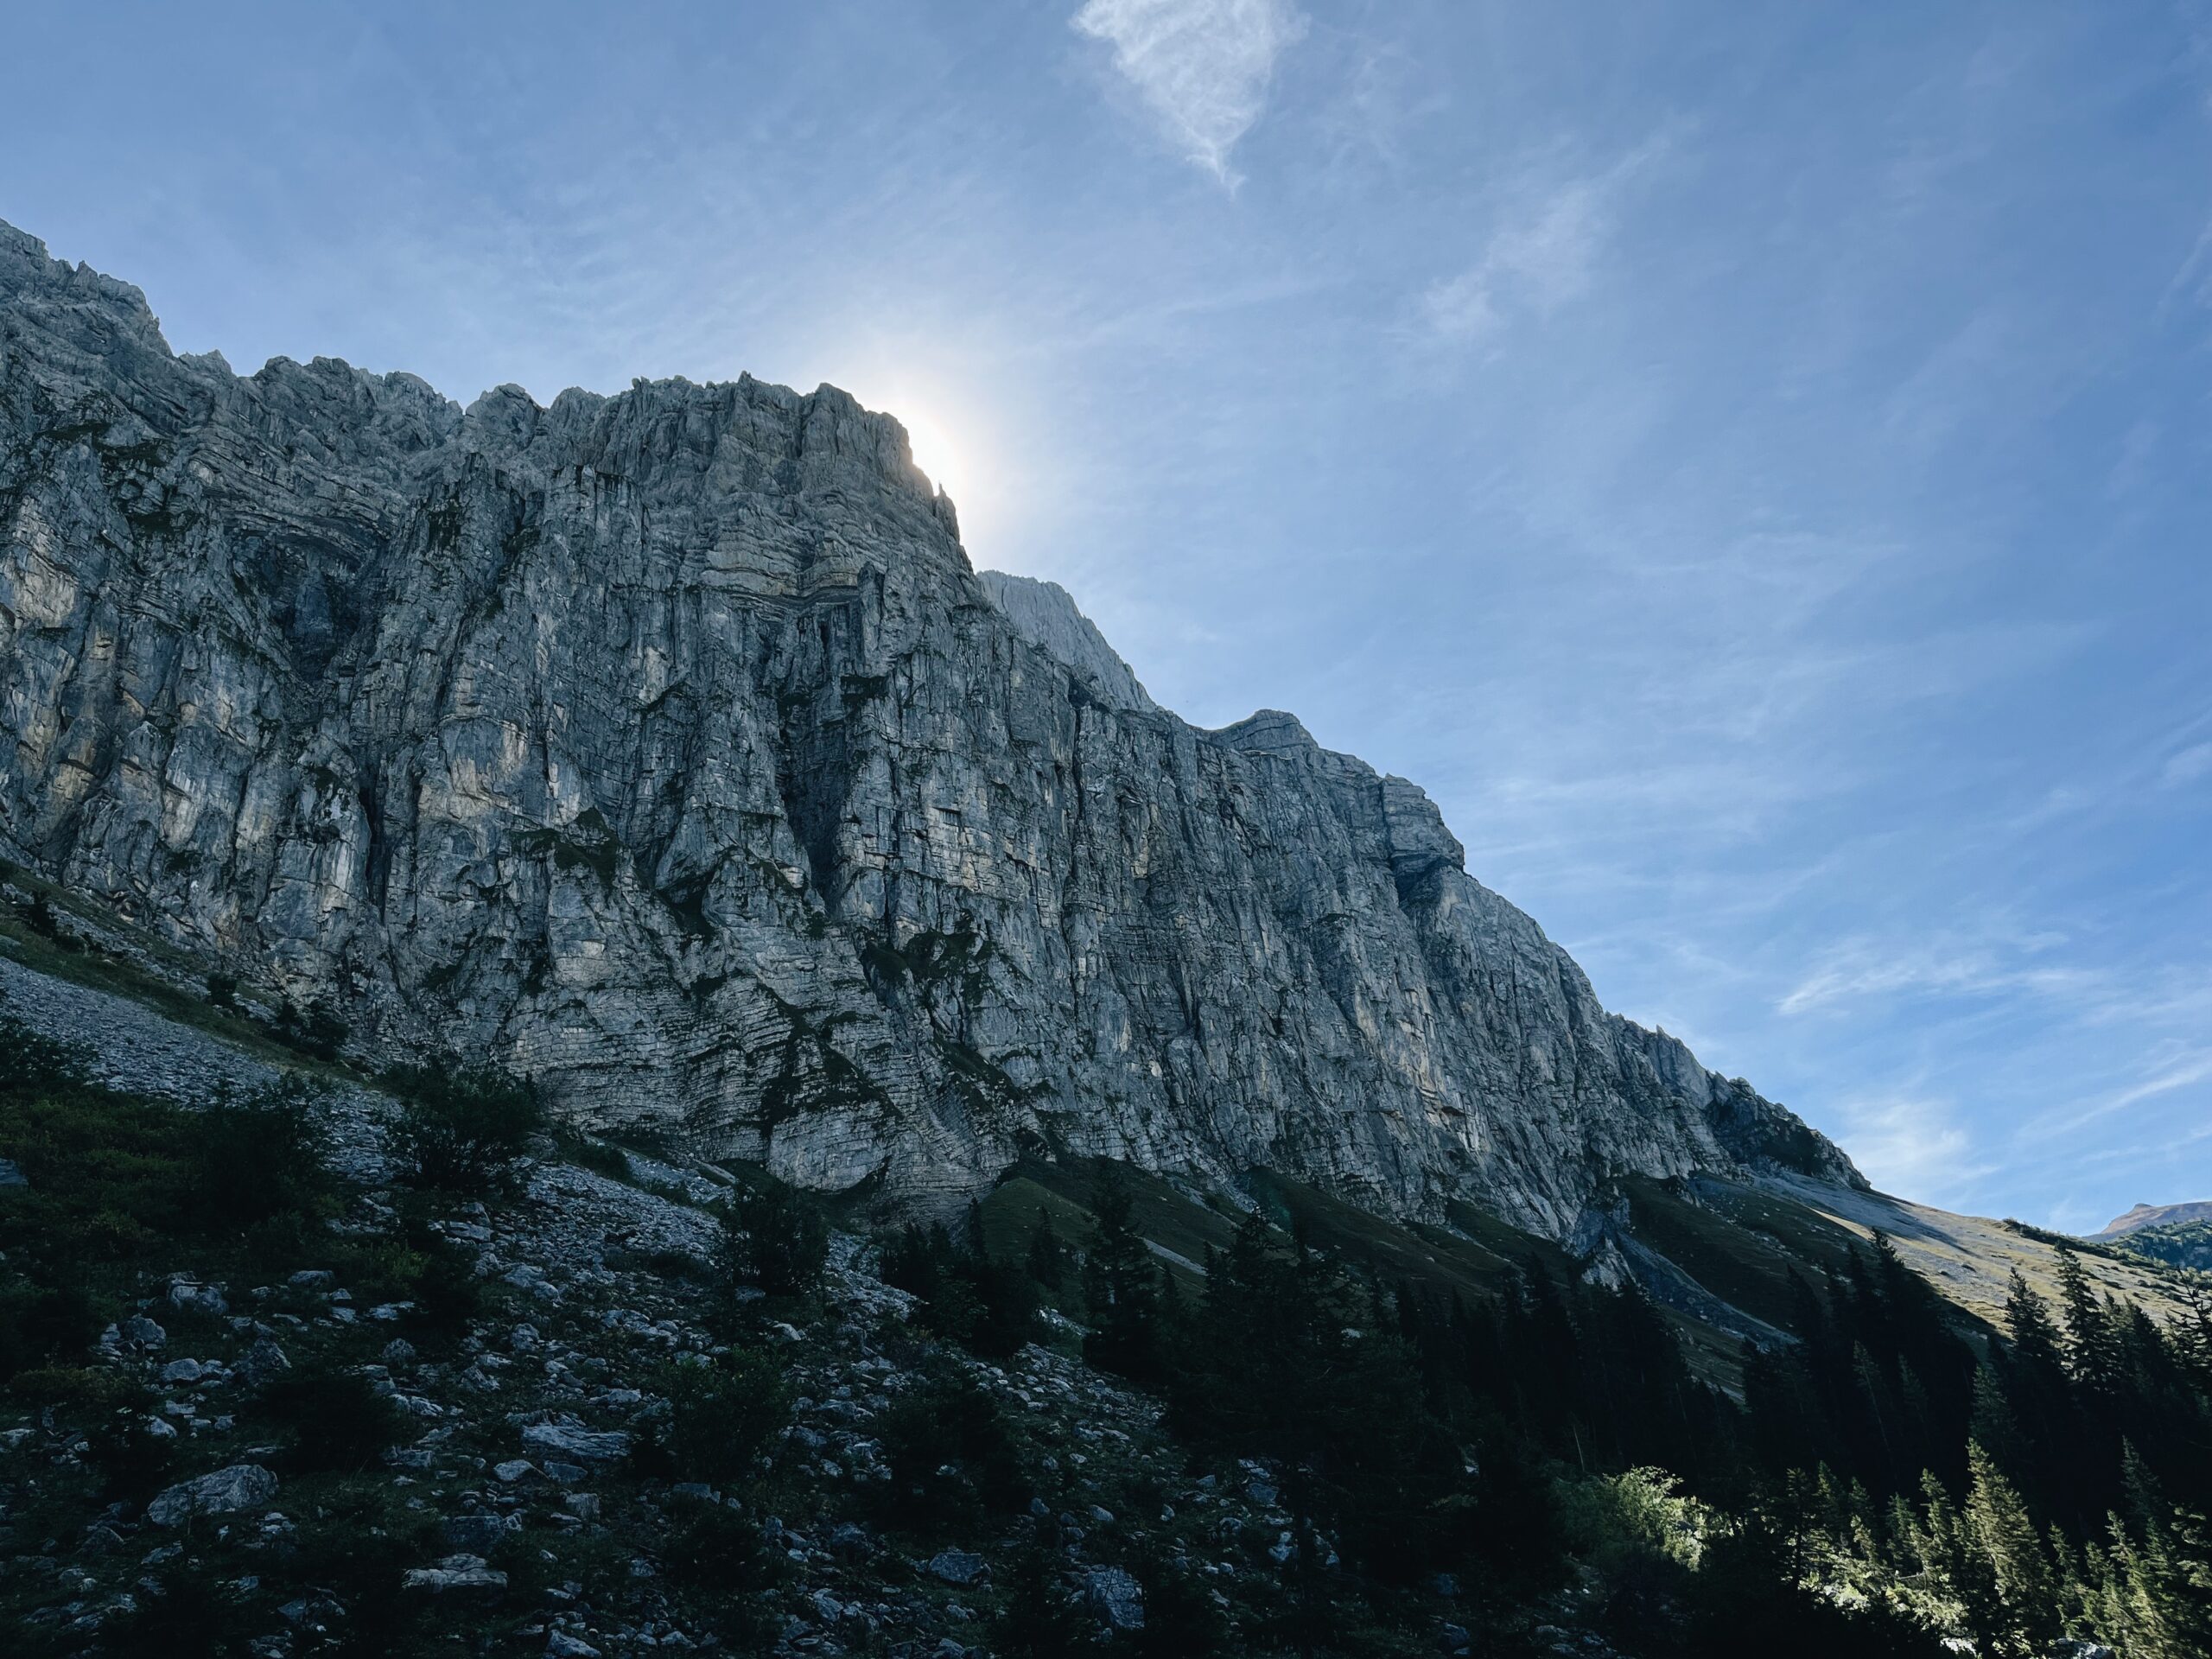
[519,1464]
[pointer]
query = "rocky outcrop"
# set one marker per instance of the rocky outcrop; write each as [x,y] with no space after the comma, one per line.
[666,747]
[1046,616]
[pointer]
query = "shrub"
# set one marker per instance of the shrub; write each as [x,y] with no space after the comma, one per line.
[461,1129]
[262,1157]
[1039,1620]
[336,1419]
[952,1459]
[716,1556]
[185,1612]
[713,1547]
[594,1156]
[723,1415]
[987,1307]
[30,1064]
[133,1462]
[776,1238]
[319,1033]
[1642,1509]
[42,1323]
[447,1292]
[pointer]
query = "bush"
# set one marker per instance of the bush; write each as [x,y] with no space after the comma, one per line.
[723,1415]
[447,1292]
[462,1129]
[319,1033]
[39,1324]
[594,1156]
[713,1547]
[336,1419]
[185,1612]
[30,1064]
[1642,1511]
[776,1238]
[1039,1620]
[952,1460]
[990,1307]
[718,1558]
[133,1462]
[262,1157]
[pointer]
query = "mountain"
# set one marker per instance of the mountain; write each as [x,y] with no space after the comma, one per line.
[666,747]
[465,871]
[2176,1243]
[2157,1215]
[1045,614]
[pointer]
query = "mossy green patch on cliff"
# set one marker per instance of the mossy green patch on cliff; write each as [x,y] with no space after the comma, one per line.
[813,1077]
[929,962]
[586,843]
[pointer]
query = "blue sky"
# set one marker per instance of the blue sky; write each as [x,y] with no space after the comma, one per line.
[1749,463]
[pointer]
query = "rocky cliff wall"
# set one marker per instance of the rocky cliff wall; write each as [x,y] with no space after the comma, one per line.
[665,746]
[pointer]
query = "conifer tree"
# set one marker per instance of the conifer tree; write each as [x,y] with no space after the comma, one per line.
[1048,1257]
[2025,1613]
[1121,1288]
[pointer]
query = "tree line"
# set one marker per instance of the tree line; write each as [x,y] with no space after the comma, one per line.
[1890,1478]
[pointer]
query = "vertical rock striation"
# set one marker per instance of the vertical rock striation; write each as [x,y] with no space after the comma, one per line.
[665,746]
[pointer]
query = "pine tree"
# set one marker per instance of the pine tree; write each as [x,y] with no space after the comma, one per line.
[2018,1568]
[1121,1288]
[2092,1347]
[1048,1257]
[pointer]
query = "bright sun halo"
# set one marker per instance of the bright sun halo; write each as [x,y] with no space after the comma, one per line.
[932,452]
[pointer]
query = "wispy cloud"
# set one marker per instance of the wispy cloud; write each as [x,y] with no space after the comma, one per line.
[2189,766]
[2177,1066]
[1202,66]
[1911,1145]
[1871,968]
[1544,256]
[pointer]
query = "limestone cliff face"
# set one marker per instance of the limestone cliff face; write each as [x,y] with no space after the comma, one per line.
[665,746]
[1045,613]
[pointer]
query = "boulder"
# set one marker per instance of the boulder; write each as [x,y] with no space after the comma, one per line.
[461,1575]
[1114,1595]
[241,1486]
[187,1297]
[957,1567]
[574,1440]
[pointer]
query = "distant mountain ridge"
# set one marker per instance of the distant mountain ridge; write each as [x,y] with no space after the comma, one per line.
[666,747]
[2157,1215]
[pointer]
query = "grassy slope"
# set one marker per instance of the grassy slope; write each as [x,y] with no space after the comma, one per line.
[1970,1258]
[162,987]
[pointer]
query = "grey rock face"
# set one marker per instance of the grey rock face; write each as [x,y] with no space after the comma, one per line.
[1046,616]
[1114,1595]
[665,747]
[573,1440]
[241,1486]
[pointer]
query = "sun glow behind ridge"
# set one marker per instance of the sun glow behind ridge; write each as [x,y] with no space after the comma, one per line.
[933,450]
